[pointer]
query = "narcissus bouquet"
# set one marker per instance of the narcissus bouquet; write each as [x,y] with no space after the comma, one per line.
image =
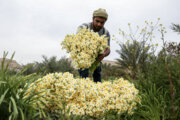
[83,96]
[84,47]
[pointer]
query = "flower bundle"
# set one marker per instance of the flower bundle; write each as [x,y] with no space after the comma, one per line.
[84,47]
[83,96]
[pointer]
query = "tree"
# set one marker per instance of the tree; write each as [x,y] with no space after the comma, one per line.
[133,56]
[50,65]
[136,51]
[175,28]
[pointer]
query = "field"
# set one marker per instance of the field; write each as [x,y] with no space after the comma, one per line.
[156,77]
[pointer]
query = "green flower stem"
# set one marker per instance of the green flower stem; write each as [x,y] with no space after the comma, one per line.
[94,66]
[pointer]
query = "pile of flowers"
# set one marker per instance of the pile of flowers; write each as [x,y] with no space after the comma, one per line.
[84,47]
[83,96]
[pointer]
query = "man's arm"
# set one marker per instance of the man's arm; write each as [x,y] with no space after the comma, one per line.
[107,51]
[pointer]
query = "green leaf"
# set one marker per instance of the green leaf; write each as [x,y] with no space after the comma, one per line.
[8,63]
[9,106]
[15,110]
[2,82]
[10,117]
[22,114]
[2,96]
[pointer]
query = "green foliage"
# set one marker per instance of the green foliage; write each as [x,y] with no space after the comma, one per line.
[13,105]
[133,56]
[175,28]
[49,66]
[135,53]
[157,76]
[93,67]
[110,71]
[153,104]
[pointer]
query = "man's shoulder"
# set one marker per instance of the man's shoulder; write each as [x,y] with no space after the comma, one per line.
[85,25]
[106,31]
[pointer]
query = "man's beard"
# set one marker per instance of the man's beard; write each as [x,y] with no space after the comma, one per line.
[97,28]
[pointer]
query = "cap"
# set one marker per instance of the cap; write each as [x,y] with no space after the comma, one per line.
[100,13]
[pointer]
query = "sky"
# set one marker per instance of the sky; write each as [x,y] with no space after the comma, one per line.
[32,28]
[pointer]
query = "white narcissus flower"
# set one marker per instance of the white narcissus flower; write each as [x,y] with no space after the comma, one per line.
[83,96]
[84,46]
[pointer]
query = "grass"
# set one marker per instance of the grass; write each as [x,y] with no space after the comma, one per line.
[13,105]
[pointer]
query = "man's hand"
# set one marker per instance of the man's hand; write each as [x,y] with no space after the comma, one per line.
[102,55]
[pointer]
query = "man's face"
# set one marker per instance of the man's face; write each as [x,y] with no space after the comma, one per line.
[98,23]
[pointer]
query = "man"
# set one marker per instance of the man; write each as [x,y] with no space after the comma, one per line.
[100,16]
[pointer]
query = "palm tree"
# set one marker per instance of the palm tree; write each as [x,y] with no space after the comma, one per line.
[133,57]
[53,65]
[175,28]
[50,65]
